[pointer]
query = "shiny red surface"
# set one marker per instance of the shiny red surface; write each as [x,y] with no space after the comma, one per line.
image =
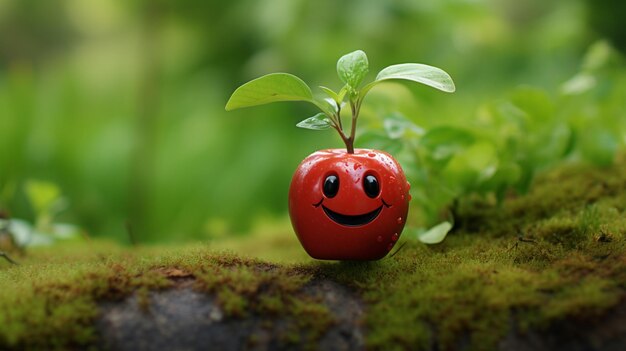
[323,238]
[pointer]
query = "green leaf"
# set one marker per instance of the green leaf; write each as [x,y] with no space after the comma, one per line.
[352,68]
[427,75]
[436,234]
[331,93]
[318,122]
[342,93]
[327,105]
[270,88]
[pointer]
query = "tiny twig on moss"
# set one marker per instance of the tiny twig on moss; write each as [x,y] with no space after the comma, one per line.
[9,259]
[131,233]
[522,239]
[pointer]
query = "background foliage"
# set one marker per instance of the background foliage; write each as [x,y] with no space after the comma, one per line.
[120,104]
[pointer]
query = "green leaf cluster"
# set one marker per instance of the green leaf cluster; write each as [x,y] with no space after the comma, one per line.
[352,68]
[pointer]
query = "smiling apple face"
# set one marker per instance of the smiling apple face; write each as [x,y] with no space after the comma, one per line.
[348,206]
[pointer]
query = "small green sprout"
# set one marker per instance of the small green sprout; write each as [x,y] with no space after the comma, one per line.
[352,69]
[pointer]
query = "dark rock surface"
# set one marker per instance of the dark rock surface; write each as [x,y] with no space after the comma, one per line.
[183,319]
[606,332]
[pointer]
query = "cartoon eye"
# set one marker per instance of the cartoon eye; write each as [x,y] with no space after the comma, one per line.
[371,187]
[331,186]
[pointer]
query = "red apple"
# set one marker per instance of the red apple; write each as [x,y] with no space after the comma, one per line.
[348,206]
[344,204]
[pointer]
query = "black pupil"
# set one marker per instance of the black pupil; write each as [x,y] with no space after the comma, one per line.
[370,185]
[331,186]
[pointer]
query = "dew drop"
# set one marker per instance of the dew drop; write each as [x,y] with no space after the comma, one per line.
[392,179]
[371,154]
[402,197]
[408,185]
[389,247]
[357,166]
[394,237]
[399,220]
[379,239]
[410,197]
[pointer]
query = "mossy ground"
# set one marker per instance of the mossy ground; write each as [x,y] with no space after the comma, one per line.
[556,253]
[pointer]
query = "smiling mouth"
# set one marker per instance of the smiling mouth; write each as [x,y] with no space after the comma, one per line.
[352,221]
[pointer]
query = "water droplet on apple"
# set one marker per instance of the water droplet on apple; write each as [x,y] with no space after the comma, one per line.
[394,237]
[371,154]
[408,185]
[402,197]
[399,220]
[410,197]
[379,239]
[389,247]
[357,166]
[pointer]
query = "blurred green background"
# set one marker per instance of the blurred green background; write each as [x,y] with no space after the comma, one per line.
[121,103]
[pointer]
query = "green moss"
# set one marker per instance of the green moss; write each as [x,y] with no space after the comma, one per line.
[558,252]
[51,299]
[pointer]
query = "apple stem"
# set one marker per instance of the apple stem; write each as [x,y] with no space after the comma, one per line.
[347,140]
[355,107]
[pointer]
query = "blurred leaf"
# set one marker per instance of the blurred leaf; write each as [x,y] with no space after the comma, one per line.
[442,143]
[270,88]
[65,231]
[504,177]
[436,234]
[352,68]
[470,166]
[396,126]
[578,84]
[598,55]
[535,103]
[427,75]
[375,139]
[25,235]
[318,122]
[598,146]
[42,195]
